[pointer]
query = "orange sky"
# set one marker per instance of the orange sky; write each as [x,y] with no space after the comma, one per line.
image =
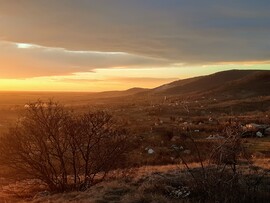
[27,68]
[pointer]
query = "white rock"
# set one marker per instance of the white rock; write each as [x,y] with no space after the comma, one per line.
[151,151]
[177,148]
[259,134]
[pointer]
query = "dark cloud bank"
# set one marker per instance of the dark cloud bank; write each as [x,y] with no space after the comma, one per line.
[178,30]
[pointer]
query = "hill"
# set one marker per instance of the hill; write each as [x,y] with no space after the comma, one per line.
[256,84]
[232,83]
[225,80]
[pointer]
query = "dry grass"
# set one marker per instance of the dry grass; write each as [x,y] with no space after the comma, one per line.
[143,184]
[141,114]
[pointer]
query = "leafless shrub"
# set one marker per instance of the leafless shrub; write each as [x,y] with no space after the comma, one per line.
[220,178]
[65,150]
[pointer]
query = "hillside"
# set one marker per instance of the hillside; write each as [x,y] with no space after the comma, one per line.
[241,83]
[256,84]
[239,78]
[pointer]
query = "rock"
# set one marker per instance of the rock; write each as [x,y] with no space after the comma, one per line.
[176,148]
[255,127]
[259,134]
[150,151]
[267,131]
[179,192]
[187,151]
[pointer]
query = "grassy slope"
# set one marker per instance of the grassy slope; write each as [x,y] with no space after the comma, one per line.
[143,183]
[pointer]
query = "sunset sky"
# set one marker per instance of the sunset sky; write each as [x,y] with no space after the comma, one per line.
[98,45]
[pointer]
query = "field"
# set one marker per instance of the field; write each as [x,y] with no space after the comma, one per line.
[156,123]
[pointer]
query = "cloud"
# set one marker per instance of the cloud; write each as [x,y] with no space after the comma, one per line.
[28,60]
[181,31]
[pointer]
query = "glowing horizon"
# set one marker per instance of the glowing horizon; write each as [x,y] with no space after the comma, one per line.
[99,80]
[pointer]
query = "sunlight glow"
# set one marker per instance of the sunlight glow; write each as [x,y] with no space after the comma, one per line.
[109,75]
[24,45]
[115,79]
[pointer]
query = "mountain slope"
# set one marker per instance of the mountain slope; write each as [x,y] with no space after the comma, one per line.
[232,83]
[256,84]
[204,83]
[253,80]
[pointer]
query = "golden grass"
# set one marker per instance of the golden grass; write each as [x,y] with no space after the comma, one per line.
[114,188]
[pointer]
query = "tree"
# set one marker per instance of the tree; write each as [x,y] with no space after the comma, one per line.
[61,148]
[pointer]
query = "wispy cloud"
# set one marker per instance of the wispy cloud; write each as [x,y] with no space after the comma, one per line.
[20,60]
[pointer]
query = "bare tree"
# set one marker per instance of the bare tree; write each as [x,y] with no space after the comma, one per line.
[63,149]
[98,145]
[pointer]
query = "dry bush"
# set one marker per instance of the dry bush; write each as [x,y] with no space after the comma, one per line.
[65,150]
[222,178]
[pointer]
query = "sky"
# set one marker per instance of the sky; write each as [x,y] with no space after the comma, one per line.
[100,45]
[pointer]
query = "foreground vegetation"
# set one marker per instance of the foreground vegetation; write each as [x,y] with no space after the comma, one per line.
[64,150]
[146,184]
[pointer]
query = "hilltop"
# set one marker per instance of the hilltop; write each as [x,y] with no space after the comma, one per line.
[225,84]
[232,82]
